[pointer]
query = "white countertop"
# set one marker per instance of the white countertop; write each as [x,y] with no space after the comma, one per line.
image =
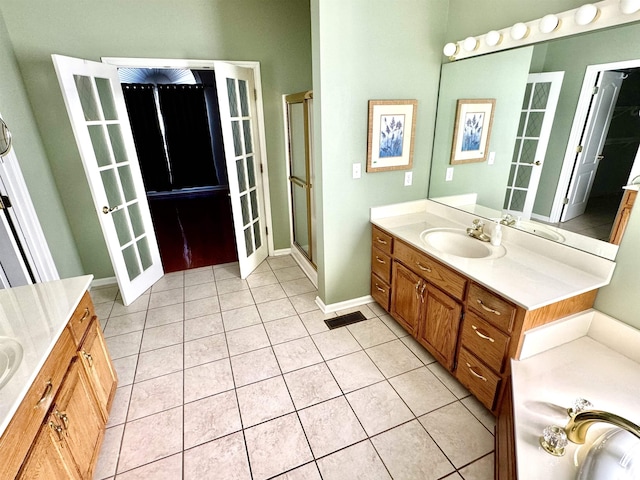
[546,384]
[533,273]
[35,316]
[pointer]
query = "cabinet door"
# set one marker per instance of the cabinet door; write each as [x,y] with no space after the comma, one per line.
[406,301]
[98,367]
[49,457]
[75,410]
[438,329]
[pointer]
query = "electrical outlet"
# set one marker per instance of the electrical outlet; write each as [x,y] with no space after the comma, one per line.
[408,178]
[449,176]
[492,158]
[357,170]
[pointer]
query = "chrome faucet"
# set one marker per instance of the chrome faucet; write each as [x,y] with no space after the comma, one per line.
[477,231]
[579,424]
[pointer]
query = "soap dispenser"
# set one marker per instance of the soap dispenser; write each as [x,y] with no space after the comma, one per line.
[496,237]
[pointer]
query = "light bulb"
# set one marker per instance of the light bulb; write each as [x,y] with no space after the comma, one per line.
[470,44]
[519,31]
[493,38]
[629,6]
[450,49]
[586,14]
[549,23]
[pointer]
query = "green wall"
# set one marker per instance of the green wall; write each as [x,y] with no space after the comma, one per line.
[618,298]
[503,77]
[27,144]
[365,50]
[573,55]
[275,32]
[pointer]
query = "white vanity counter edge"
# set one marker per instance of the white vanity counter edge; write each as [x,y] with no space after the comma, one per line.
[533,273]
[35,316]
[599,362]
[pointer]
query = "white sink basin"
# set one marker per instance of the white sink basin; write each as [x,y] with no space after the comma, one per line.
[10,358]
[540,230]
[456,242]
[614,455]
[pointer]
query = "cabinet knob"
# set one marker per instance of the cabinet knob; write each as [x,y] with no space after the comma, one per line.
[88,357]
[379,260]
[380,289]
[379,240]
[63,417]
[58,429]
[85,315]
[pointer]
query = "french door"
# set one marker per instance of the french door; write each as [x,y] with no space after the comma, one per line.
[532,139]
[236,90]
[95,104]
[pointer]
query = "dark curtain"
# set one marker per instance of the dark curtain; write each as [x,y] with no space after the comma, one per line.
[143,117]
[187,134]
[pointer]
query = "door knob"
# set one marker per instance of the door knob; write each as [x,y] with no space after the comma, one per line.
[106,210]
[537,163]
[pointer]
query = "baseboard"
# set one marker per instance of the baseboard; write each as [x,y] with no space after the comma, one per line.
[281,252]
[104,282]
[305,265]
[334,307]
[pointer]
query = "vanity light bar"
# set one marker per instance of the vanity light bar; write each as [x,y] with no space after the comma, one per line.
[592,16]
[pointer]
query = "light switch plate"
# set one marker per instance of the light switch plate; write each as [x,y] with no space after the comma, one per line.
[357,170]
[449,176]
[492,158]
[408,178]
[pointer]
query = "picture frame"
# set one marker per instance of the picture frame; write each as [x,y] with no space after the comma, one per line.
[391,134]
[472,130]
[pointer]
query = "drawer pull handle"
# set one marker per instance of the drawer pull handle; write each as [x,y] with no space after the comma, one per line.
[474,373]
[379,260]
[482,335]
[47,391]
[424,269]
[380,289]
[490,310]
[85,315]
[58,430]
[88,357]
[65,420]
[379,240]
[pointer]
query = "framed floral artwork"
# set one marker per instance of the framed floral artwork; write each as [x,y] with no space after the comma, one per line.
[472,130]
[392,126]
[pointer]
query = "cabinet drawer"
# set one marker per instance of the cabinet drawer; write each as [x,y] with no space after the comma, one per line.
[492,308]
[380,291]
[81,318]
[485,341]
[432,271]
[381,265]
[17,438]
[382,240]
[477,377]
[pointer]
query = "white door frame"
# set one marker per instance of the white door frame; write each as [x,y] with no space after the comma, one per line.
[125,62]
[28,229]
[579,120]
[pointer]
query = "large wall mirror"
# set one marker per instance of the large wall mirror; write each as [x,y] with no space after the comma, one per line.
[532,176]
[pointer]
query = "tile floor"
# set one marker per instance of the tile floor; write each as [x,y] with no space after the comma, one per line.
[223,378]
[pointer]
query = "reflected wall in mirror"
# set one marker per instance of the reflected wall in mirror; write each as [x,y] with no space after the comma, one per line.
[504,76]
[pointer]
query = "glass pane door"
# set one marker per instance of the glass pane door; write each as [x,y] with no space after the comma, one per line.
[96,108]
[236,89]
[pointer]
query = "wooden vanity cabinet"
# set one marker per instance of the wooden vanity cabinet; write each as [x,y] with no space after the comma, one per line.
[382,248]
[424,310]
[622,217]
[469,329]
[58,428]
